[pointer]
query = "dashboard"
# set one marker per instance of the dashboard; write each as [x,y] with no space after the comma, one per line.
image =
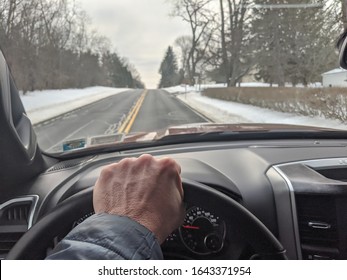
[296,188]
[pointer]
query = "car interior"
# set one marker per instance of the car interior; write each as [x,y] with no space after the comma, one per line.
[262,193]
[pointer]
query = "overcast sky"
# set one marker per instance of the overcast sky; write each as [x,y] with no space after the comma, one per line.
[140,30]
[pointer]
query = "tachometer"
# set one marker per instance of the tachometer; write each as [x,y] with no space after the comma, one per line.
[202,232]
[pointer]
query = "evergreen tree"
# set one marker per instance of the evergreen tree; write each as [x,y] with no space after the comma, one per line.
[294,44]
[117,72]
[168,70]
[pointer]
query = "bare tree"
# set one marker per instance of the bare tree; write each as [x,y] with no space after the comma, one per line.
[344,13]
[234,32]
[201,19]
[48,45]
[224,53]
[13,7]
[185,44]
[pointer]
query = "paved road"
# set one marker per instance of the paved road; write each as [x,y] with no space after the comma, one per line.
[157,111]
[97,118]
[160,110]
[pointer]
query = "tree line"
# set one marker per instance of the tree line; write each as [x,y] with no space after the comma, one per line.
[49,45]
[273,41]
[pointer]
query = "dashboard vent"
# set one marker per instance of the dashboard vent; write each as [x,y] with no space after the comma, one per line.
[317,226]
[15,219]
[7,241]
[17,214]
[68,164]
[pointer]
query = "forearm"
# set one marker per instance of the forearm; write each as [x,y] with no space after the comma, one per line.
[112,237]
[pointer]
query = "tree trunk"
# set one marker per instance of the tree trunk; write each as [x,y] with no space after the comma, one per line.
[224,47]
[344,13]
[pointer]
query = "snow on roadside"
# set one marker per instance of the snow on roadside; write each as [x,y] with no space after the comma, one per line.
[47,104]
[221,111]
[187,88]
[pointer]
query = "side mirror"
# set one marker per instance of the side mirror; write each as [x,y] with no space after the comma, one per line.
[342,45]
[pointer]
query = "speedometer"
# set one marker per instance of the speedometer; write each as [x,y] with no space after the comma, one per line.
[202,232]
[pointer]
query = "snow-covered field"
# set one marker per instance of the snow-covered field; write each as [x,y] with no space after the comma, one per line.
[47,104]
[231,112]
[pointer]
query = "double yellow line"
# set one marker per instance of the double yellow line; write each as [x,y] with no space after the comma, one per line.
[129,120]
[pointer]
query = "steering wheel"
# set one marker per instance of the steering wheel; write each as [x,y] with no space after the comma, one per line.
[34,243]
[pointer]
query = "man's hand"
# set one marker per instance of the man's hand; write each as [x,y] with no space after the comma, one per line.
[145,189]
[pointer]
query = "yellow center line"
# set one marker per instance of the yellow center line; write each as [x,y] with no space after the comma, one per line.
[129,121]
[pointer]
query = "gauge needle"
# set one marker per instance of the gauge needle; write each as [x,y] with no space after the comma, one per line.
[190,227]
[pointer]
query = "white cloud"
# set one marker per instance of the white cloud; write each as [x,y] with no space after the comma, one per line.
[140,30]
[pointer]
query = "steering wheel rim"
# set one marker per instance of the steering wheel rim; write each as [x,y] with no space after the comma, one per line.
[34,243]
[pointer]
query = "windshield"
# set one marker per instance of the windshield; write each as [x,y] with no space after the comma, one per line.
[101,72]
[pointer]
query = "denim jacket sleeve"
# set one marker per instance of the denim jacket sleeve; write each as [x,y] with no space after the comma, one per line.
[108,237]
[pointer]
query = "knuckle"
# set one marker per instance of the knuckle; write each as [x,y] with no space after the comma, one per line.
[168,161]
[106,172]
[126,161]
[146,158]
[170,164]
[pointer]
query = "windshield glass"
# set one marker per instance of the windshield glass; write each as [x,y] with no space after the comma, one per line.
[102,72]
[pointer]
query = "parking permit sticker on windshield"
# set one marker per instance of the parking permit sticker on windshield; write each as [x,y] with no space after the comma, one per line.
[74,144]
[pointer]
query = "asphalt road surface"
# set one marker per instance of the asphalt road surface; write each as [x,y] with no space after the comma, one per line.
[160,110]
[157,110]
